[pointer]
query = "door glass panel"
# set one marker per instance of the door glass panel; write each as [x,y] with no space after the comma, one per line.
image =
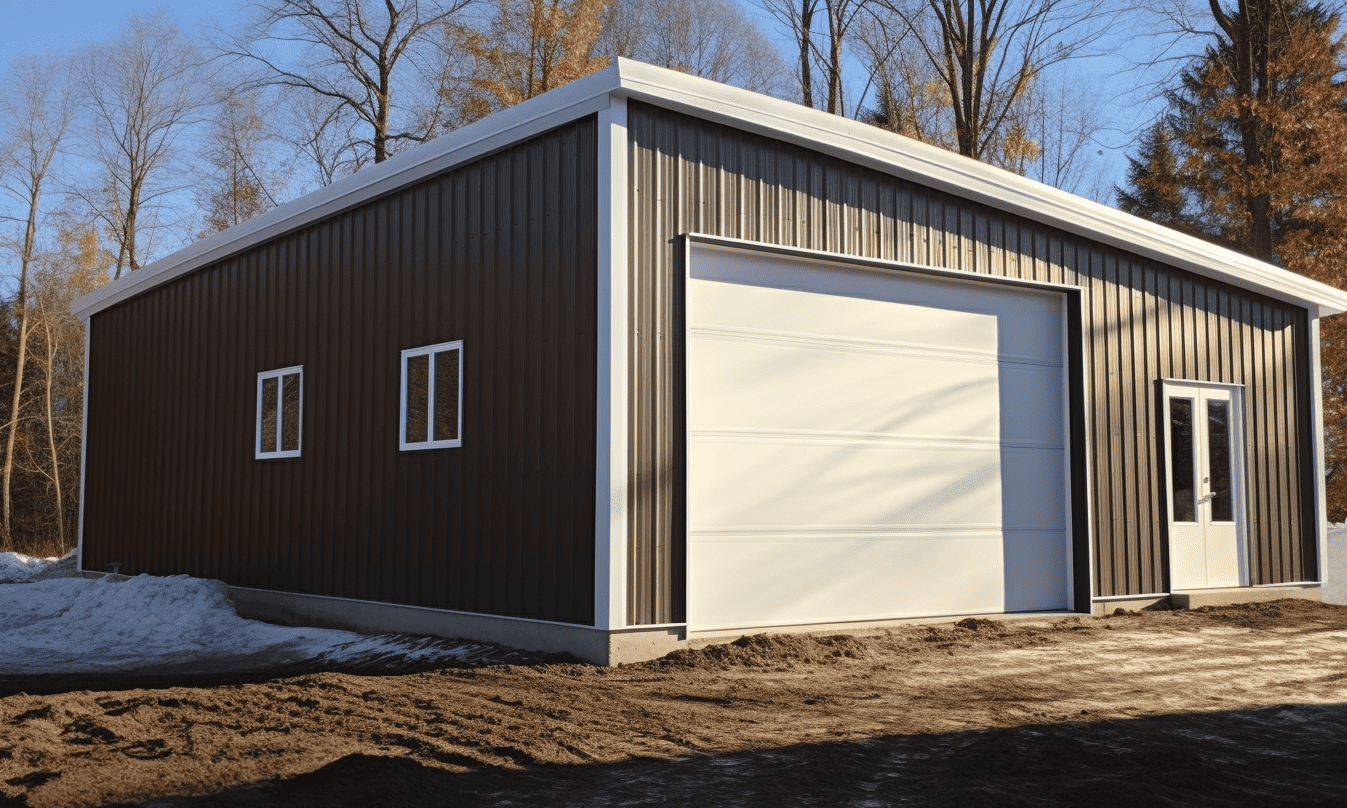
[1218,460]
[1181,455]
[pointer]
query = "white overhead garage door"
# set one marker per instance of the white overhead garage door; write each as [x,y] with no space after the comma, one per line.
[867,444]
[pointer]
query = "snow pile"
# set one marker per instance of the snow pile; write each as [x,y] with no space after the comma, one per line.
[394,651]
[178,624]
[17,568]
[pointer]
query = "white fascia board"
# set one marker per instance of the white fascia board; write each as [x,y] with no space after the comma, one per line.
[517,123]
[959,176]
[850,140]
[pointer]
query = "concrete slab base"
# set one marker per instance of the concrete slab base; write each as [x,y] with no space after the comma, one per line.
[1141,603]
[591,644]
[1335,566]
[1194,598]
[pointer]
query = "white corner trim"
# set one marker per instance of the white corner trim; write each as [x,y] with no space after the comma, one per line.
[959,176]
[1317,441]
[84,452]
[610,491]
[532,117]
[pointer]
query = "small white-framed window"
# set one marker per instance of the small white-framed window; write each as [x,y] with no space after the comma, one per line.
[280,403]
[432,397]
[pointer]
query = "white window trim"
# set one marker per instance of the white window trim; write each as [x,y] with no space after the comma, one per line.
[258,453]
[429,443]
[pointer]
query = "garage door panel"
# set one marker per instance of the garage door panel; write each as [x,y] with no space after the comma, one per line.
[776,386]
[813,297]
[1029,324]
[744,584]
[868,444]
[1033,488]
[1030,405]
[1031,585]
[806,313]
[772,481]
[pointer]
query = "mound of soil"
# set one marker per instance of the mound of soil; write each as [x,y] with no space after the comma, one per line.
[1237,705]
[774,651]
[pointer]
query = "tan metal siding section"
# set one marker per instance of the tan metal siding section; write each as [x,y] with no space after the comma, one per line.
[500,253]
[1142,321]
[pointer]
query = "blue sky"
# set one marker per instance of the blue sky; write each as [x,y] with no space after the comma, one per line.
[34,26]
[51,25]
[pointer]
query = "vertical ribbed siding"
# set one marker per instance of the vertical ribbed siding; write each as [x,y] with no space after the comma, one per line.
[1141,322]
[499,253]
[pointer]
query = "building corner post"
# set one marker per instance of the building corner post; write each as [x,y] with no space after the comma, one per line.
[1317,437]
[611,477]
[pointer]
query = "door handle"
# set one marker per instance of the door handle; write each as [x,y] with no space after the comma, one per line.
[1208,498]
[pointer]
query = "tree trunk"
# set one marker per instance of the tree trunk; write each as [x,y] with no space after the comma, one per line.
[834,62]
[51,437]
[21,307]
[129,236]
[1249,30]
[806,77]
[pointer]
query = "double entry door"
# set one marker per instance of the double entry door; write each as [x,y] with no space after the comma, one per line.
[1205,485]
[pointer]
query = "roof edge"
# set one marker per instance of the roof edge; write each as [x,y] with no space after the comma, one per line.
[967,178]
[851,140]
[534,116]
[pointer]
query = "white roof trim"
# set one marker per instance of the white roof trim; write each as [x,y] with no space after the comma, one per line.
[960,176]
[850,140]
[517,123]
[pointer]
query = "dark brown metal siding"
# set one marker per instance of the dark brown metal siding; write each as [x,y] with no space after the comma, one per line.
[1142,321]
[499,253]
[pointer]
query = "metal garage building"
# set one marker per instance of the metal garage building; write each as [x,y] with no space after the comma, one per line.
[649,358]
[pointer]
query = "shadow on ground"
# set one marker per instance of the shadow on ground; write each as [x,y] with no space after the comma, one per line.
[1293,755]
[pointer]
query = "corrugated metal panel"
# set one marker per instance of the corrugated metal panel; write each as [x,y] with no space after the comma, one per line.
[1142,321]
[500,254]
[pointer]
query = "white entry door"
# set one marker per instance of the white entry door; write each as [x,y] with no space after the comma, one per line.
[870,444]
[1206,485]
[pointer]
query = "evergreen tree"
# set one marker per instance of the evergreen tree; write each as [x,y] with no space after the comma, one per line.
[1259,164]
[1155,190]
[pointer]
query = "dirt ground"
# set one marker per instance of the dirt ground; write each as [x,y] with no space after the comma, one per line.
[1231,706]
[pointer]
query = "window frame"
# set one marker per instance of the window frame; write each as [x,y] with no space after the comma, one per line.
[278,453]
[429,351]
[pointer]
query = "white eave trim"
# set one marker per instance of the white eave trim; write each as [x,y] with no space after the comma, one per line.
[962,177]
[850,140]
[532,117]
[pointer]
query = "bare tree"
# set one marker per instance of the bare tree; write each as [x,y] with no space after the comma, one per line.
[39,110]
[820,31]
[242,180]
[1064,117]
[987,53]
[532,46]
[77,267]
[908,94]
[321,132]
[712,39]
[376,60]
[143,89]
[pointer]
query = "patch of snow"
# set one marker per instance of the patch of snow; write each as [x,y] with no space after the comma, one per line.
[176,624]
[17,568]
[396,650]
